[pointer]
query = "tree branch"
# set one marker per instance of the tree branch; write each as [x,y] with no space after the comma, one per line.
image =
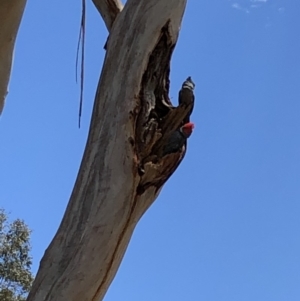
[108,9]
[110,194]
[10,17]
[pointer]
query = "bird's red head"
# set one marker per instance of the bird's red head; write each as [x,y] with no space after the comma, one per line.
[187,129]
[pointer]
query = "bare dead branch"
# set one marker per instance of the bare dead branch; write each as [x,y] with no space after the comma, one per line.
[10,17]
[108,9]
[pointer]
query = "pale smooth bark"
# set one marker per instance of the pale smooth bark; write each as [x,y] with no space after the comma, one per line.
[118,178]
[108,9]
[11,12]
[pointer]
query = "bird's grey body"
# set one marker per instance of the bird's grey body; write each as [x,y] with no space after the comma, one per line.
[175,143]
[178,139]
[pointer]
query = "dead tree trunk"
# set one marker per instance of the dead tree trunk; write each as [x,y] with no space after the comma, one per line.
[122,171]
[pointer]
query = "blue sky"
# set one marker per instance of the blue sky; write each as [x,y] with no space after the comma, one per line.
[226,225]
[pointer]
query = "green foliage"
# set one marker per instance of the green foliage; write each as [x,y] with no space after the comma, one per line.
[15,261]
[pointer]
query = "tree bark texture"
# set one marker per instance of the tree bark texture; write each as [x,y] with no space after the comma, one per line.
[11,12]
[108,9]
[122,171]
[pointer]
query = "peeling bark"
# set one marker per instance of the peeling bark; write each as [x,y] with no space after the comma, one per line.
[11,12]
[122,170]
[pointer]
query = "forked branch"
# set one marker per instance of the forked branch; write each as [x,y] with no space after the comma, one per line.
[108,9]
